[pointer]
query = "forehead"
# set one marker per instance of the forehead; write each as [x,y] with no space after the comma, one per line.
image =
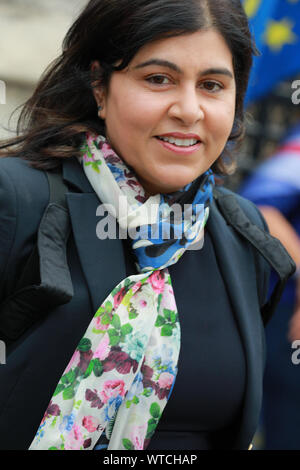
[205,49]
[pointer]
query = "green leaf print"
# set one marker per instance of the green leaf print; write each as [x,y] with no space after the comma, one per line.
[100,311]
[160,321]
[159,300]
[98,367]
[127,444]
[105,310]
[64,380]
[147,392]
[166,330]
[155,410]
[126,329]
[95,165]
[167,314]
[53,422]
[70,376]
[152,423]
[77,404]
[106,319]
[114,337]
[59,389]
[133,314]
[173,317]
[116,323]
[127,283]
[84,345]
[108,306]
[68,393]
[89,370]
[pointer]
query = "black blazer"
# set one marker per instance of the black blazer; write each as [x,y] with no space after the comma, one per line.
[36,362]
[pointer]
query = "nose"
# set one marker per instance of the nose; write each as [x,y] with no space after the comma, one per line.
[186,106]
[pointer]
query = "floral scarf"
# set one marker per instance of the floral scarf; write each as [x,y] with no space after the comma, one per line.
[120,377]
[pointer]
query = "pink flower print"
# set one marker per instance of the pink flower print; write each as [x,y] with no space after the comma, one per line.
[99,325]
[157,281]
[90,423]
[87,443]
[136,287]
[112,389]
[168,301]
[85,358]
[165,380]
[119,297]
[106,148]
[75,359]
[74,439]
[90,139]
[52,410]
[103,349]
[138,435]
[88,158]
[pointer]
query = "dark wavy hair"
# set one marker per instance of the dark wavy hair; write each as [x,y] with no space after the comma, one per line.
[62,108]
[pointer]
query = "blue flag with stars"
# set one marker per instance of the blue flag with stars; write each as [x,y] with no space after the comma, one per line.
[276,28]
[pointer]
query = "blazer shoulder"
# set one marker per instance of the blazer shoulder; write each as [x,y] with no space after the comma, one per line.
[250,209]
[21,173]
[29,185]
[24,196]
[262,267]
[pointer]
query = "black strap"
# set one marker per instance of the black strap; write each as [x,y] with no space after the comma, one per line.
[57,188]
[45,281]
[269,247]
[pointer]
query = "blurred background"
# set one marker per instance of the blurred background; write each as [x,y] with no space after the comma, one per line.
[268,165]
[31,36]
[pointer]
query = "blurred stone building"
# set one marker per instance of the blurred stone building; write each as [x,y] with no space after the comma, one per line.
[31,34]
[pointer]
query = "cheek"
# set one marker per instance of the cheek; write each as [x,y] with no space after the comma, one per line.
[134,111]
[220,124]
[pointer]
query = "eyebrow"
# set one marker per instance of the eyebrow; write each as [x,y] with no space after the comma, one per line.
[172,66]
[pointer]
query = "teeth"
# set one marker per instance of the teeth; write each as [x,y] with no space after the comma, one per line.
[179,142]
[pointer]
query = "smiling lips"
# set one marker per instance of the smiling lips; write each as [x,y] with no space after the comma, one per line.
[180,143]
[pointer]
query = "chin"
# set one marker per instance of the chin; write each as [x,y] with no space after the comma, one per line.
[179,183]
[165,184]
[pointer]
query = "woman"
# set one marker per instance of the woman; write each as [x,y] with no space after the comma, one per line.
[145,102]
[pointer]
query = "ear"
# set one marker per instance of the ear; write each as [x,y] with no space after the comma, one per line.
[98,90]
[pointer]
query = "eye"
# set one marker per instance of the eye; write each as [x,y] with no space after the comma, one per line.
[211,86]
[158,80]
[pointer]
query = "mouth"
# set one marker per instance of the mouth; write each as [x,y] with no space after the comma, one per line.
[179,139]
[180,144]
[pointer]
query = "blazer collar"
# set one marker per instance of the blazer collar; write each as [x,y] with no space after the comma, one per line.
[102,260]
[74,176]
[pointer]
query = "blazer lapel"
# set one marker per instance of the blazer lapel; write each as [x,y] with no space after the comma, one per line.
[102,260]
[234,259]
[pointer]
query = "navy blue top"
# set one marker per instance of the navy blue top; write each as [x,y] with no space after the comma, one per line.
[207,396]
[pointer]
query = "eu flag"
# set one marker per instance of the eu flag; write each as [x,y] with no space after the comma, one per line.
[276,28]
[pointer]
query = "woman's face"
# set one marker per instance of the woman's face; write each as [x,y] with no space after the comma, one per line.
[170,112]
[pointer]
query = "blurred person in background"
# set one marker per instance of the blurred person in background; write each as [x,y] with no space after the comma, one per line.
[275,187]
